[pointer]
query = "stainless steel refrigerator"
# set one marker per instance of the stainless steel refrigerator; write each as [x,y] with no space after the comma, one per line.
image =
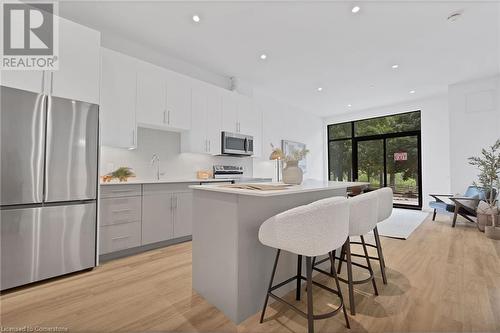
[49,150]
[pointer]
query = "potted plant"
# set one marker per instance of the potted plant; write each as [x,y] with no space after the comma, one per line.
[489,179]
[292,174]
[122,174]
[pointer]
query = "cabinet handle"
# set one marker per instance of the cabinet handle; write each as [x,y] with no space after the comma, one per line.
[133,137]
[164,116]
[43,82]
[175,202]
[209,149]
[168,117]
[206,146]
[121,210]
[51,83]
[120,237]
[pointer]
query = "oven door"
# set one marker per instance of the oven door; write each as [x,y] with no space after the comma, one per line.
[236,144]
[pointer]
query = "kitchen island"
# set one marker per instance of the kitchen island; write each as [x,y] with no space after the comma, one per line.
[231,268]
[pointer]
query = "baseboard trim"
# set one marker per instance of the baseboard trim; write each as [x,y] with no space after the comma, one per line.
[143,248]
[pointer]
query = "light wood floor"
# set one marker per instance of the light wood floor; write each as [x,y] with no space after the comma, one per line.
[440,279]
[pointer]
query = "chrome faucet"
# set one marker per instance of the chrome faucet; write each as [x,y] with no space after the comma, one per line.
[156,159]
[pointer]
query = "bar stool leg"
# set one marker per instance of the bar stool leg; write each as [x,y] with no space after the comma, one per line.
[270,286]
[380,254]
[369,265]
[332,268]
[347,246]
[342,258]
[299,274]
[334,273]
[310,313]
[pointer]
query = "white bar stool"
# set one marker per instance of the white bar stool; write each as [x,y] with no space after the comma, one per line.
[363,218]
[312,230]
[384,211]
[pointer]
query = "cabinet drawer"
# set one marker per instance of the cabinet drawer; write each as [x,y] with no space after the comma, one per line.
[152,189]
[119,237]
[120,210]
[114,191]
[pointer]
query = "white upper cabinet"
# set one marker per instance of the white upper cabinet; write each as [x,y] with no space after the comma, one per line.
[247,119]
[163,98]
[230,111]
[25,80]
[214,120]
[151,95]
[118,99]
[206,111]
[240,116]
[178,100]
[78,74]
[196,140]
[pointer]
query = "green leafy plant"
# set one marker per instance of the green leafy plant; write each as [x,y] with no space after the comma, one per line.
[122,173]
[489,172]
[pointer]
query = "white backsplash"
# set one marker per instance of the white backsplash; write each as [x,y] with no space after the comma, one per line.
[174,164]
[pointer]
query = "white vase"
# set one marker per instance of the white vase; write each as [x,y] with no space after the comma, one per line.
[292,174]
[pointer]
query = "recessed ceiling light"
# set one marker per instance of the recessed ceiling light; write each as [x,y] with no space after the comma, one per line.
[196,18]
[349,105]
[412,91]
[395,66]
[355,9]
[320,88]
[263,56]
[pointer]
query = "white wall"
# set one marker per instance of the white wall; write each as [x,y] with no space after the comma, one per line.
[474,124]
[142,52]
[435,139]
[281,121]
[174,164]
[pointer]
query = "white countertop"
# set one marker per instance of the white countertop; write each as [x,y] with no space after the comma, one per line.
[134,181]
[306,186]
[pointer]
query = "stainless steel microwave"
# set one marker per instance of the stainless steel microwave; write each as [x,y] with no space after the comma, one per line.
[237,144]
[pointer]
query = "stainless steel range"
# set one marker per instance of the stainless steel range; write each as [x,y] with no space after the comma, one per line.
[236,174]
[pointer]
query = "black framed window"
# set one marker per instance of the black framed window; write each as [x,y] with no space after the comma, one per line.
[383,151]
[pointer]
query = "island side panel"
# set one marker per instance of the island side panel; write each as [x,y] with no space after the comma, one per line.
[255,260]
[215,249]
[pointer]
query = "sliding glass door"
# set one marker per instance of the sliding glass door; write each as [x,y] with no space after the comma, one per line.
[370,163]
[403,169]
[383,151]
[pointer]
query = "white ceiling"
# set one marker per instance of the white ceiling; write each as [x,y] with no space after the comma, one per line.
[311,44]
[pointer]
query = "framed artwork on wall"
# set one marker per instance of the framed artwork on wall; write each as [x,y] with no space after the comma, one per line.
[289,147]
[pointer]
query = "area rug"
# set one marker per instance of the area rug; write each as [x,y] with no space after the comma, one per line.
[401,223]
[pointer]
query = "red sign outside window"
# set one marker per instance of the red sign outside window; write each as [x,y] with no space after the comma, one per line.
[400,156]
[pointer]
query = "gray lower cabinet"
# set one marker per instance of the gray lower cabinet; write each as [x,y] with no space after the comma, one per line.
[119,237]
[167,212]
[120,215]
[134,215]
[183,214]
[157,219]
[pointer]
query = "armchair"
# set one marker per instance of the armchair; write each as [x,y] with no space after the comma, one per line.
[463,205]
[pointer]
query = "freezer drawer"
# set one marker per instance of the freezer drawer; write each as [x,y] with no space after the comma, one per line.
[72,148]
[22,118]
[39,243]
